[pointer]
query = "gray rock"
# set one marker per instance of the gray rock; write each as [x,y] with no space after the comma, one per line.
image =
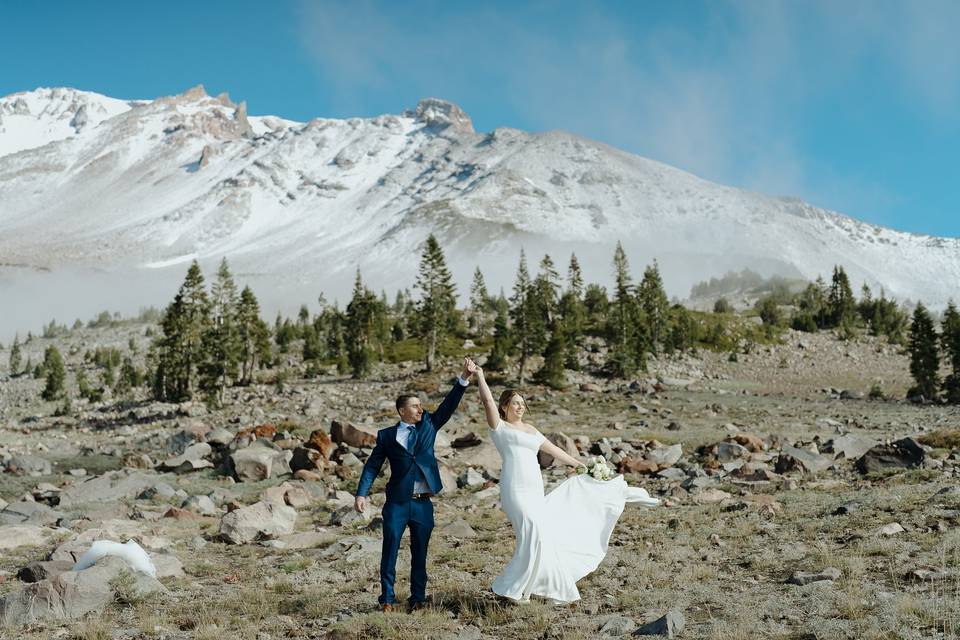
[347,516]
[563,441]
[260,520]
[673,473]
[220,437]
[109,487]
[459,528]
[616,626]
[200,504]
[489,492]
[804,578]
[470,478]
[13,536]
[167,565]
[72,594]
[41,570]
[354,549]
[902,454]
[161,489]
[30,513]
[851,447]
[669,625]
[795,459]
[259,461]
[665,456]
[29,465]
[730,451]
[946,495]
[192,459]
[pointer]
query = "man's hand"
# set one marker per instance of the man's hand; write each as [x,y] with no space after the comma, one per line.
[360,503]
[469,368]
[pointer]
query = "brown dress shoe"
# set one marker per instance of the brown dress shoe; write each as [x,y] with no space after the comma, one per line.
[386,608]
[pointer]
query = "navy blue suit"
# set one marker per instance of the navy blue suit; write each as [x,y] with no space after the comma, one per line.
[401,510]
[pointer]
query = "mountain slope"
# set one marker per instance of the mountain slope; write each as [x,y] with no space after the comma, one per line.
[143,187]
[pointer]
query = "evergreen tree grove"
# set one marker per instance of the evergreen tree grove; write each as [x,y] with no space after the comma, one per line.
[55,374]
[924,355]
[950,342]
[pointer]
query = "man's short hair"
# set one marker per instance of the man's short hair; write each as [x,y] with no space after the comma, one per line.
[402,399]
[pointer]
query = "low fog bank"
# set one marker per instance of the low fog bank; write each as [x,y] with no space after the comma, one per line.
[31,298]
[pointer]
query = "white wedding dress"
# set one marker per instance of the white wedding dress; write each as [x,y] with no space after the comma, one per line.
[561,537]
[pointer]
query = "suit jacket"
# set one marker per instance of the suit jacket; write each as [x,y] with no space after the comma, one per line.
[404,463]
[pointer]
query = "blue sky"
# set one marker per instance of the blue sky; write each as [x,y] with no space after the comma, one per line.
[853,106]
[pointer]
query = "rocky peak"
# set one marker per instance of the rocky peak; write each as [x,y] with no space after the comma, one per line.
[441,114]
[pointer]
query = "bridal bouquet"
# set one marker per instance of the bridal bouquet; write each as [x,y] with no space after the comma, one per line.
[598,468]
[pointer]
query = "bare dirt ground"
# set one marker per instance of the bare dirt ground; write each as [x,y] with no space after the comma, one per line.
[721,551]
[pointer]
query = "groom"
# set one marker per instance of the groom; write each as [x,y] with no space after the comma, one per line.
[414,477]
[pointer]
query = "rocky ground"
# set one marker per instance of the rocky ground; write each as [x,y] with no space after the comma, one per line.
[795,505]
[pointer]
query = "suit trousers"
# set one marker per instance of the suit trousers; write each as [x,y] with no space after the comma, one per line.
[397,516]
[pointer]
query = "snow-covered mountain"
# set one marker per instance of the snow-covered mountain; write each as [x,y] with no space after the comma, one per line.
[125,193]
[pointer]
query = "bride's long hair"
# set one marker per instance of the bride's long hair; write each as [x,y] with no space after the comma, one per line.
[505,398]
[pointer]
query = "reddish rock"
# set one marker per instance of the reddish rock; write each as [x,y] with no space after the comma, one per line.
[181,514]
[631,464]
[320,441]
[751,442]
[352,435]
[307,476]
[305,459]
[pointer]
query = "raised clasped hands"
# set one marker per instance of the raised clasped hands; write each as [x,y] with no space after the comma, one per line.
[471,368]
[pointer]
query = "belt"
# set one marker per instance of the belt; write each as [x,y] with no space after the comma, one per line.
[420,496]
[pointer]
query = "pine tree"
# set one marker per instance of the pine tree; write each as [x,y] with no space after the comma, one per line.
[437,299]
[221,340]
[840,302]
[479,303]
[526,326]
[336,341]
[622,331]
[950,342]
[573,313]
[924,355]
[654,304]
[55,374]
[180,349]
[253,336]
[359,328]
[546,288]
[16,358]
[501,337]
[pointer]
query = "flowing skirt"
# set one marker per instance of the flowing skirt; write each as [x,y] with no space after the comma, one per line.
[563,536]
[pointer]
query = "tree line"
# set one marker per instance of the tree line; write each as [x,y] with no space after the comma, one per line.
[211,340]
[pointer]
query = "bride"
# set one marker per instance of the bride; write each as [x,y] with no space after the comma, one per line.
[560,537]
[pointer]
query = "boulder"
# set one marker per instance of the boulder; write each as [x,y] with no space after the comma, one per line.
[29,465]
[321,442]
[469,439]
[200,504]
[470,478]
[902,454]
[637,464]
[260,520]
[665,456]
[72,594]
[259,461]
[13,536]
[27,512]
[750,441]
[459,528]
[616,625]
[668,626]
[43,569]
[564,442]
[294,495]
[796,459]
[851,447]
[109,487]
[192,459]
[352,435]
[305,458]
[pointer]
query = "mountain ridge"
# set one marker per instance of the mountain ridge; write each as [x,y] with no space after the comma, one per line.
[149,185]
